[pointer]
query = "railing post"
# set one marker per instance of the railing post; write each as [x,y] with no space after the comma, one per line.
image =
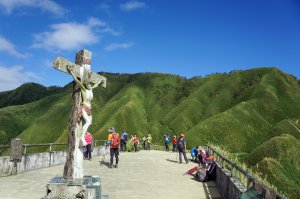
[25,150]
[50,147]
[222,163]
[248,183]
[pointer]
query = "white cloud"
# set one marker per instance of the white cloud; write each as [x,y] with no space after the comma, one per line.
[111,31]
[12,77]
[95,22]
[132,5]
[46,5]
[69,36]
[115,46]
[8,47]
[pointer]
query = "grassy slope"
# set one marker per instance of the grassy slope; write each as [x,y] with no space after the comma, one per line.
[241,110]
[278,161]
[247,121]
[285,127]
[49,126]
[242,107]
[26,93]
[16,119]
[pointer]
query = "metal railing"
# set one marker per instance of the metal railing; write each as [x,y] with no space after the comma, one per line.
[219,158]
[25,146]
[152,146]
[50,145]
[96,142]
[158,147]
[4,146]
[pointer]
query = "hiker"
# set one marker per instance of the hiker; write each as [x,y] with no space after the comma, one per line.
[149,139]
[124,138]
[204,157]
[208,172]
[88,138]
[174,141]
[204,174]
[107,144]
[181,146]
[144,142]
[167,141]
[109,136]
[135,143]
[114,147]
[194,153]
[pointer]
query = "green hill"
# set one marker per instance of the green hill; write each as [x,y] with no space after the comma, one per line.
[241,110]
[278,161]
[16,120]
[26,93]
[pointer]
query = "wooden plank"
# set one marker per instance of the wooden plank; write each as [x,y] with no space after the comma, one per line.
[61,65]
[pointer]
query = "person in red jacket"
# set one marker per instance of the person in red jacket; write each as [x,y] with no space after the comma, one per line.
[88,138]
[174,141]
[135,143]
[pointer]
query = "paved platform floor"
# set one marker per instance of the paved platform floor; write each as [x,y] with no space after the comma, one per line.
[141,175]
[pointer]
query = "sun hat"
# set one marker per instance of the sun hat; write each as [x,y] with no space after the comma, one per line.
[112,129]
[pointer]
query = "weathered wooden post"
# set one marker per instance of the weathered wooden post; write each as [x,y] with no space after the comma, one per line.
[73,184]
[16,153]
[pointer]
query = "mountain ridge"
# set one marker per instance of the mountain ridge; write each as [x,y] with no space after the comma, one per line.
[241,110]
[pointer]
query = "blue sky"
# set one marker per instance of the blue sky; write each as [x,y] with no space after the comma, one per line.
[188,37]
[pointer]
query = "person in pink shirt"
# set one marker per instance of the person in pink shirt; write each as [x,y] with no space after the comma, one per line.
[88,138]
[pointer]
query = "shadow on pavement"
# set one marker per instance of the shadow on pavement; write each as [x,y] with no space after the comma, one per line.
[209,188]
[102,162]
[174,161]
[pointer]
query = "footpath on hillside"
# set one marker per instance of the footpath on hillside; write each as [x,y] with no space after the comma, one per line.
[141,175]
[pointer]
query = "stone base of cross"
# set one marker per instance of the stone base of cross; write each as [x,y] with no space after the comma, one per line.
[85,81]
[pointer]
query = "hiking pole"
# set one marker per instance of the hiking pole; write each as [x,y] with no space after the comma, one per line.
[176,155]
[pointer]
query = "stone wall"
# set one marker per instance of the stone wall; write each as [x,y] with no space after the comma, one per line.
[229,187]
[39,160]
[6,166]
[32,161]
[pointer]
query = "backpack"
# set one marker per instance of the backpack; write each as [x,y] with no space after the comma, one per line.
[203,175]
[125,137]
[167,139]
[180,144]
[115,141]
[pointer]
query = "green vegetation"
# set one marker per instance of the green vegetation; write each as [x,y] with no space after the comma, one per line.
[278,161]
[248,112]
[26,93]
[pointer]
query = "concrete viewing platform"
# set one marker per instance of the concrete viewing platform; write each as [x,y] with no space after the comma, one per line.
[145,174]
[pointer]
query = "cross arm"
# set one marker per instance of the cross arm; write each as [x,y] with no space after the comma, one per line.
[61,65]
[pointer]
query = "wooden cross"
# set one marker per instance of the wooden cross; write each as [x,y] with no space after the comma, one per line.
[61,64]
[81,70]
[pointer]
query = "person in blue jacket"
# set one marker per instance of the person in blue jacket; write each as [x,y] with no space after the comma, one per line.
[195,153]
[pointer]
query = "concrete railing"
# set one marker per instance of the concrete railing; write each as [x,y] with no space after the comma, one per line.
[31,162]
[229,184]
[39,160]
